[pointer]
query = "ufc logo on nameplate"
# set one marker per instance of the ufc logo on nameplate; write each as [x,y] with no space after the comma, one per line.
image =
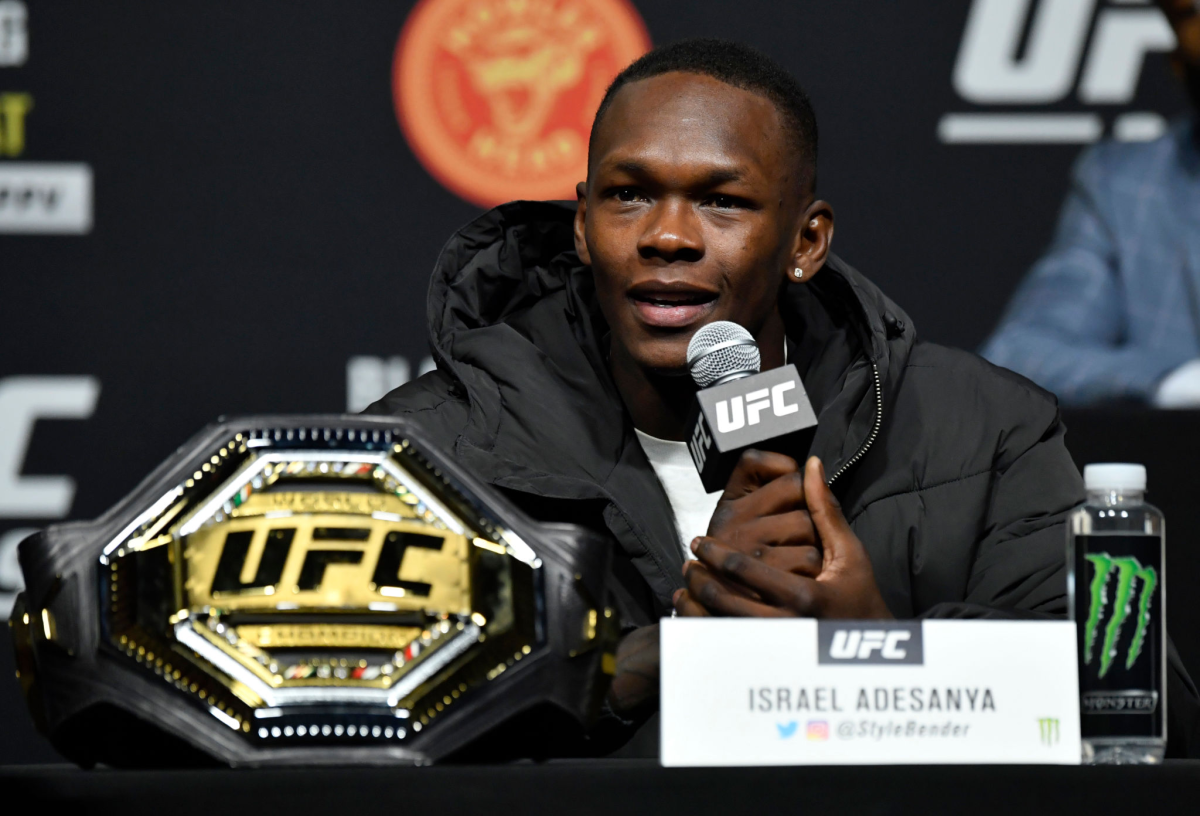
[887,643]
[871,692]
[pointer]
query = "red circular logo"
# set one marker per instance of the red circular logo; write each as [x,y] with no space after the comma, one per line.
[496,97]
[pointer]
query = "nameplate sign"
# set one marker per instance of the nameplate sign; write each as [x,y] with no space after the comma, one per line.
[805,692]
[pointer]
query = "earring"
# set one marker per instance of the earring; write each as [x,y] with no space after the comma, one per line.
[799,273]
[813,223]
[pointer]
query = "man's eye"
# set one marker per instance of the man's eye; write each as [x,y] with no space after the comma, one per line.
[724,202]
[628,194]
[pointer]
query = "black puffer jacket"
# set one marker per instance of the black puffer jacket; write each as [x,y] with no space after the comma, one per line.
[951,471]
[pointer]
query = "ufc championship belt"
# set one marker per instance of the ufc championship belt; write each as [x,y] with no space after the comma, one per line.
[293,590]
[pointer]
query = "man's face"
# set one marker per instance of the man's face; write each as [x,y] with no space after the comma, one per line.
[689,213]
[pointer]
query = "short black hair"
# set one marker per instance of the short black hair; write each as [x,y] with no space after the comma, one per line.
[741,66]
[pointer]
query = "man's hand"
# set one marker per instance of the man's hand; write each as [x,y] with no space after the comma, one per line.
[742,572]
[762,513]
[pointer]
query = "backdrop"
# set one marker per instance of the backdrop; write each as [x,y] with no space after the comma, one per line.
[212,208]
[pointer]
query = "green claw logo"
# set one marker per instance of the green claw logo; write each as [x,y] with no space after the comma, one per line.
[1129,570]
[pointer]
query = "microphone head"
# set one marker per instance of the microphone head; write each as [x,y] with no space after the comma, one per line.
[722,351]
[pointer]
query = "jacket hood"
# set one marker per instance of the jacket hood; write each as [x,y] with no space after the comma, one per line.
[513,319]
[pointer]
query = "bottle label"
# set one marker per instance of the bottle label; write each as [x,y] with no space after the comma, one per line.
[1119,612]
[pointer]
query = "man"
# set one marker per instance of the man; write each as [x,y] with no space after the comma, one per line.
[1112,312]
[938,483]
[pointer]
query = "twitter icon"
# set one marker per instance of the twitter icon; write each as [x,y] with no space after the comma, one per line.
[787,730]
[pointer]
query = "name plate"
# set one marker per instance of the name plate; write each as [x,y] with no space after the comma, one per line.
[803,692]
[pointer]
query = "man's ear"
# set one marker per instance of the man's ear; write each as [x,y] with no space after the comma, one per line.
[814,237]
[580,218]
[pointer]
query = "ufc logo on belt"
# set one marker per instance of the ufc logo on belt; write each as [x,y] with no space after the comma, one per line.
[305,559]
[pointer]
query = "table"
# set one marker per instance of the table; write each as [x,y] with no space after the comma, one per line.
[612,787]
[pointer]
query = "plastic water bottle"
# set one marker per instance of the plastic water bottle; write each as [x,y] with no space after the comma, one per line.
[1116,586]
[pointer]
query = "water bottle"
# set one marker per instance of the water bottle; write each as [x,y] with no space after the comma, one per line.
[1116,591]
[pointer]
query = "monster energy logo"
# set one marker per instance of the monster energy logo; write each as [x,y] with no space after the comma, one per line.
[1048,730]
[1132,579]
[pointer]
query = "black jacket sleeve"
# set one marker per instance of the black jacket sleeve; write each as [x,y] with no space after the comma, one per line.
[1019,568]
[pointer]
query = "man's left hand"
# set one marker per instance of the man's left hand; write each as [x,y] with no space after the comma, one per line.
[844,588]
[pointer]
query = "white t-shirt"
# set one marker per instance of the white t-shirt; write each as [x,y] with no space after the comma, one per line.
[692,507]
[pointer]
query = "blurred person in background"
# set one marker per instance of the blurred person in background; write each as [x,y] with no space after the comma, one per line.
[1112,311]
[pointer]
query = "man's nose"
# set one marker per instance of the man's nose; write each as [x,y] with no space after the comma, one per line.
[673,233]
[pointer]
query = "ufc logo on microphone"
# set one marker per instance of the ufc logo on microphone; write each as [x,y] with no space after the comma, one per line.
[699,443]
[884,643]
[768,411]
[738,412]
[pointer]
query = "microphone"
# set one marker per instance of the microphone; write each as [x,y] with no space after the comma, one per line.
[737,407]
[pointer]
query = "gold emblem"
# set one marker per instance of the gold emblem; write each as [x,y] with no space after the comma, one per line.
[327,560]
[282,578]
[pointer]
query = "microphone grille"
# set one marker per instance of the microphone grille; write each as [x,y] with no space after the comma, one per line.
[720,349]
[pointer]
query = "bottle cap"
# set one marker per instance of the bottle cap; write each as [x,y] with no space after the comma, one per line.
[1114,476]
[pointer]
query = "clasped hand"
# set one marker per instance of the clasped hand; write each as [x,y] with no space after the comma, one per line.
[779,546]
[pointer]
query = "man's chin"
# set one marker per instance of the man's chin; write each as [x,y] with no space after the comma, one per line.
[677,371]
[664,359]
